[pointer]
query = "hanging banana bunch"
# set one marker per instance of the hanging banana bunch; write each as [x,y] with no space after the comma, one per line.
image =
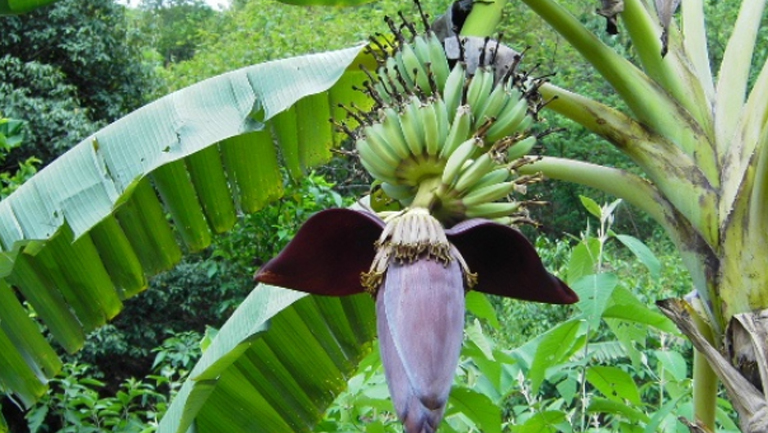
[437,125]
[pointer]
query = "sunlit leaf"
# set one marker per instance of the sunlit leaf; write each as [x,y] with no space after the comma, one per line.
[642,252]
[614,383]
[594,292]
[478,408]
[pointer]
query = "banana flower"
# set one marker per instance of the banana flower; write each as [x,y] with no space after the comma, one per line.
[418,273]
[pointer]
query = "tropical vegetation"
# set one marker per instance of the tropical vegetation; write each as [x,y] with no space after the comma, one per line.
[680,144]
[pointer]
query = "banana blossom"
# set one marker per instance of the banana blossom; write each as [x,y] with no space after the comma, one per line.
[418,273]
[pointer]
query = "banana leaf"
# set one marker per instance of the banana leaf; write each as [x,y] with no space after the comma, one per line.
[88,231]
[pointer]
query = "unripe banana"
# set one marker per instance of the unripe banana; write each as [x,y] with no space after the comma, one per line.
[375,166]
[454,87]
[460,130]
[443,122]
[492,210]
[421,47]
[393,133]
[508,121]
[393,68]
[521,148]
[498,175]
[478,92]
[439,60]
[413,67]
[383,90]
[410,124]
[374,135]
[493,104]
[406,71]
[398,192]
[431,128]
[483,164]
[526,123]
[456,160]
[488,193]
[389,77]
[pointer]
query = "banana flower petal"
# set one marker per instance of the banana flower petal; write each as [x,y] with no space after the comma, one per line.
[418,273]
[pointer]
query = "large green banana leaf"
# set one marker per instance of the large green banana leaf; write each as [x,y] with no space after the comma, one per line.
[276,364]
[86,232]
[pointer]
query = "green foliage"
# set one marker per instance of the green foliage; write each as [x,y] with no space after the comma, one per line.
[174,27]
[68,69]
[260,236]
[76,402]
[11,137]
[255,31]
[608,364]
[205,288]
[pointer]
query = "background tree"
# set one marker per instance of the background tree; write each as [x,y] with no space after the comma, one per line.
[69,69]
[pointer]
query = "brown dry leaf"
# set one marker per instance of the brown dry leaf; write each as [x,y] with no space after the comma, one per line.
[610,9]
[665,9]
[748,401]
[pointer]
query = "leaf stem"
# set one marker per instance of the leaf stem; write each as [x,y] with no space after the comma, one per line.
[675,173]
[484,18]
[704,381]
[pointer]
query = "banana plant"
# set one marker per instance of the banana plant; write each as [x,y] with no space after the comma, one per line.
[701,138]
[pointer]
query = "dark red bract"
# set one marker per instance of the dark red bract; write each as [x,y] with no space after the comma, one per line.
[419,290]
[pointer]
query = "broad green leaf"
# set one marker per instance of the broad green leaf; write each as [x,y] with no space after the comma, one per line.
[591,206]
[552,348]
[594,292]
[272,366]
[543,422]
[614,383]
[659,416]
[640,314]
[477,407]
[604,405]
[642,252]
[567,389]
[583,259]
[479,305]
[673,363]
[475,334]
[85,232]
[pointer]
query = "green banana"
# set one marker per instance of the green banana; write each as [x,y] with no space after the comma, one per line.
[478,91]
[521,148]
[498,175]
[493,104]
[375,166]
[398,192]
[374,135]
[443,123]
[410,124]
[488,193]
[468,177]
[454,87]
[415,68]
[460,130]
[457,159]
[431,127]
[439,60]
[491,210]
[393,134]
[508,121]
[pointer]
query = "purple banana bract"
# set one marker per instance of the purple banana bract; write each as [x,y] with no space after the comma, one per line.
[418,273]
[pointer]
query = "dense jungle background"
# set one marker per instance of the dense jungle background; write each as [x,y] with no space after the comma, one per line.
[84,64]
